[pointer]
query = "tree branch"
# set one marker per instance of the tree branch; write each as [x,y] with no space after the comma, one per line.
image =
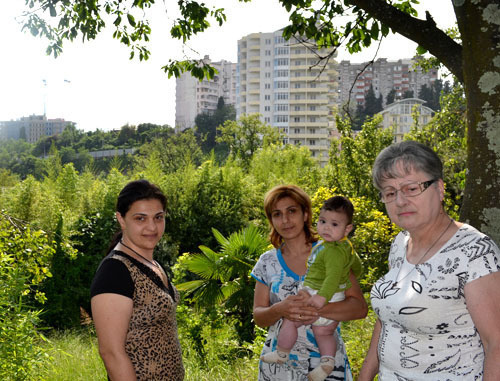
[423,32]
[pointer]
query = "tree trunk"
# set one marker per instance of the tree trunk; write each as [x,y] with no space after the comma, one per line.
[479,24]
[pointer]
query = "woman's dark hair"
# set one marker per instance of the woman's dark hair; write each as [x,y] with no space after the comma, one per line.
[135,191]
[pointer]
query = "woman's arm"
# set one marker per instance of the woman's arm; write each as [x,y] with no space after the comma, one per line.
[266,315]
[111,314]
[483,302]
[371,363]
[351,308]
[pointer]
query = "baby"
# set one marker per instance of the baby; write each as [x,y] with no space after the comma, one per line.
[326,281]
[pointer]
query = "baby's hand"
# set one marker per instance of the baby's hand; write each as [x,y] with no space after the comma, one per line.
[317,301]
[304,294]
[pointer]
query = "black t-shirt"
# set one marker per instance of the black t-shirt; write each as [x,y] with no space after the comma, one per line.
[112,276]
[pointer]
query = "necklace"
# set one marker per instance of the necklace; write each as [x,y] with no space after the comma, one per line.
[395,284]
[152,263]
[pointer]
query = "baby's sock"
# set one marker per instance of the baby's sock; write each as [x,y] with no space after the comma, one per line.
[322,371]
[279,356]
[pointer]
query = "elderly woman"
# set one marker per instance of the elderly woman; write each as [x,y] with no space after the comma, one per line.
[438,306]
[279,273]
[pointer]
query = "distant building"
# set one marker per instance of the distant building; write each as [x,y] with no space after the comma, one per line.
[193,97]
[284,82]
[32,128]
[383,75]
[399,115]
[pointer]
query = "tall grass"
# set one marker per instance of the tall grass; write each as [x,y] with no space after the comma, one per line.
[74,355]
[213,355]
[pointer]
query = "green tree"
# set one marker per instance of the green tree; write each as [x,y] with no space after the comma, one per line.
[245,136]
[391,97]
[126,135]
[352,156]
[407,94]
[225,276]
[177,151]
[206,128]
[373,104]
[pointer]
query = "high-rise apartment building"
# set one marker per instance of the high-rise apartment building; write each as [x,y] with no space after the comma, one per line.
[383,75]
[284,82]
[193,97]
[32,128]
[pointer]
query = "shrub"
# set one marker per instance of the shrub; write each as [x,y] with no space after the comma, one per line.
[24,259]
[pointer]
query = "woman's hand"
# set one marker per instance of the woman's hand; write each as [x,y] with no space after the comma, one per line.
[293,308]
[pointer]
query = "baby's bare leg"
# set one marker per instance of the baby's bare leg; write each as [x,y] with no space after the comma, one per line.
[324,337]
[286,340]
[327,348]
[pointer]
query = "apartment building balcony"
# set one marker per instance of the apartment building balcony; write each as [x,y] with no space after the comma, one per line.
[305,90]
[254,69]
[254,80]
[254,58]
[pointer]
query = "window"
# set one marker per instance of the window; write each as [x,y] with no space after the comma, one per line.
[267,63]
[267,108]
[313,85]
[312,130]
[279,40]
[267,120]
[296,119]
[312,108]
[281,73]
[268,41]
[298,74]
[267,97]
[312,96]
[297,108]
[267,75]
[297,51]
[297,86]
[281,62]
[281,85]
[267,86]
[296,130]
[281,96]
[297,96]
[282,50]
[298,62]
[268,52]
[312,119]
[296,142]
[281,107]
[281,118]
[312,142]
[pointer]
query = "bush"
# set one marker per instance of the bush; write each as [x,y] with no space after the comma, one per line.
[24,258]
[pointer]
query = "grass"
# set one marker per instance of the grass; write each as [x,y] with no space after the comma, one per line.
[74,357]
[210,353]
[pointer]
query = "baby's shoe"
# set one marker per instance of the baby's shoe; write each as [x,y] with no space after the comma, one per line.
[322,371]
[276,357]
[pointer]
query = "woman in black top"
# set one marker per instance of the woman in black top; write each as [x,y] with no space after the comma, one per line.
[133,302]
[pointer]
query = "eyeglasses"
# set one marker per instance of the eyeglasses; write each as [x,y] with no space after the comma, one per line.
[409,190]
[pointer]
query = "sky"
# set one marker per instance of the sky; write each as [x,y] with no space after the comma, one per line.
[95,85]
